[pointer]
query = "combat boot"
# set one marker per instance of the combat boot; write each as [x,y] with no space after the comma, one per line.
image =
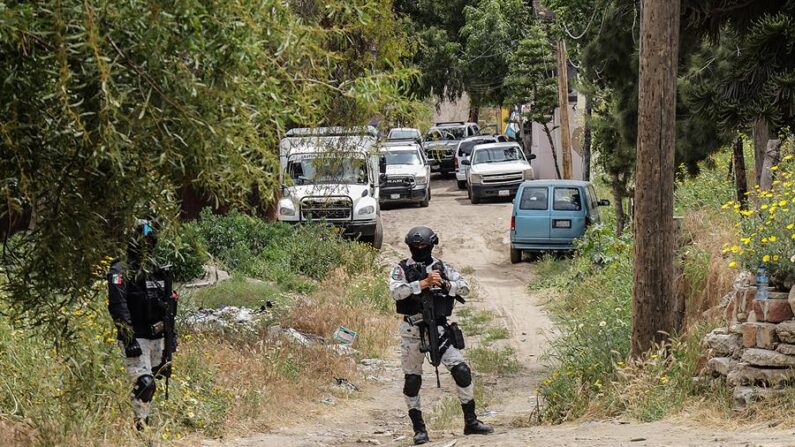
[472,426]
[420,433]
[141,423]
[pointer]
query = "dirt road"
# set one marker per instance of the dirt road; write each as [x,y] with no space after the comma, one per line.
[475,238]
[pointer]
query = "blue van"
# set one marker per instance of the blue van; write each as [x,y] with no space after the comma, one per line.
[551,214]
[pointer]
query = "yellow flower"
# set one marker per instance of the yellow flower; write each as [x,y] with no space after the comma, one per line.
[764,207]
[772,238]
[733,264]
[775,257]
[764,240]
[746,240]
[782,203]
[788,157]
[774,168]
[790,227]
[766,258]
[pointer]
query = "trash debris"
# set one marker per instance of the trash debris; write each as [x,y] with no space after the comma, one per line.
[226,316]
[488,414]
[328,401]
[345,350]
[346,384]
[373,362]
[450,444]
[344,335]
[297,336]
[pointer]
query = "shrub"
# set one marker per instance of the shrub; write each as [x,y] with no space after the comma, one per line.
[184,250]
[766,235]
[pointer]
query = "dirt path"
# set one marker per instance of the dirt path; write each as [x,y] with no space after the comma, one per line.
[476,237]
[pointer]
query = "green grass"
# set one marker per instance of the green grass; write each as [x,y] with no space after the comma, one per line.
[495,333]
[475,323]
[488,360]
[447,414]
[236,291]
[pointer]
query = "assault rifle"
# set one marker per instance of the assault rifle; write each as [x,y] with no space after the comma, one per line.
[167,302]
[428,324]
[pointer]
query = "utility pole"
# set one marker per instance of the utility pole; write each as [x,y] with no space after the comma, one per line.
[653,290]
[563,103]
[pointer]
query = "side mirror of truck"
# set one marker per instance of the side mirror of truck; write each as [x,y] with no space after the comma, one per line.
[531,157]
[382,164]
[381,179]
[466,162]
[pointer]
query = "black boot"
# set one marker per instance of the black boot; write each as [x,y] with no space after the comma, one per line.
[420,433]
[472,426]
[141,423]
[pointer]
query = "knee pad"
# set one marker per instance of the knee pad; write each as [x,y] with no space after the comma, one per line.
[412,384]
[144,388]
[462,375]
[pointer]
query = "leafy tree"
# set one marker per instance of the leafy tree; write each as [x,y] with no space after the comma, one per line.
[531,80]
[109,109]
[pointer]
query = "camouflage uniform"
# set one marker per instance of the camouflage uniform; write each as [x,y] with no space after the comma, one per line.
[411,358]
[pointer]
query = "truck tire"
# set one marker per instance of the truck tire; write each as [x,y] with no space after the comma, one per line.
[474,198]
[462,184]
[378,238]
[516,256]
[424,202]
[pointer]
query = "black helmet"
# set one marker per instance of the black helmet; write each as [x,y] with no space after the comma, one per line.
[421,235]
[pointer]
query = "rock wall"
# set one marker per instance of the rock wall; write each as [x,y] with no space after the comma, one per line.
[755,352]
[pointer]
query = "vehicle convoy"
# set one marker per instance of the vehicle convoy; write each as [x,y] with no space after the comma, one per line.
[331,175]
[463,151]
[441,141]
[496,170]
[404,133]
[408,175]
[550,214]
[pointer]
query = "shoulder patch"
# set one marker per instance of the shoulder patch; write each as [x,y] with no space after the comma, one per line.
[116,279]
[397,273]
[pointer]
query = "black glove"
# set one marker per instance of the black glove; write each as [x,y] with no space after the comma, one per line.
[132,349]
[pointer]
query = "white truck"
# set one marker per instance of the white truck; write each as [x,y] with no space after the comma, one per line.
[332,175]
[496,170]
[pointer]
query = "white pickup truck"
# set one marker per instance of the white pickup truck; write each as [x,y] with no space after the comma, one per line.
[331,175]
[496,170]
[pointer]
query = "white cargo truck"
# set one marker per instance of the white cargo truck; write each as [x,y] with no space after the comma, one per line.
[331,175]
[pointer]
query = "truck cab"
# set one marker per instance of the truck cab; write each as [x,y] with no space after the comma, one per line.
[331,175]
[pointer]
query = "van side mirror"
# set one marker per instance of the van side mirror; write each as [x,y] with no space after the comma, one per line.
[466,162]
[382,164]
[531,157]
[604,202]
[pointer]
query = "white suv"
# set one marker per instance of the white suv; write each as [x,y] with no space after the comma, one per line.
[408,175]
[463,151]
[496,170]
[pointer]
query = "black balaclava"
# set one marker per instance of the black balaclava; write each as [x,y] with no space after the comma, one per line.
[141,248]
[422,255]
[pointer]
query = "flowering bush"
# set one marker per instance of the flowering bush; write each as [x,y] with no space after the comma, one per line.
[766,235]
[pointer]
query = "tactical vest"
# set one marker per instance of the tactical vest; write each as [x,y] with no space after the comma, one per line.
[443,304]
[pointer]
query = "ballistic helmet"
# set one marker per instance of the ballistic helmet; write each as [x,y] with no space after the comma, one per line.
[421,235]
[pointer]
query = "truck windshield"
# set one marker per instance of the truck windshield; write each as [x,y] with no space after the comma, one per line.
[446,133]
[327,170]
[403,134]
[403,158]
[497,155]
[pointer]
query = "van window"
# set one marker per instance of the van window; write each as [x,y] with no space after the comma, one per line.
[592,193]
[534,199]
[567,199]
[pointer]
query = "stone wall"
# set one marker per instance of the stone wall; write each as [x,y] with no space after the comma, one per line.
[755,351]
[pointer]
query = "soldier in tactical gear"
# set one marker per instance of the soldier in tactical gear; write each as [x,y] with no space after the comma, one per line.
[409,280]
[142,304]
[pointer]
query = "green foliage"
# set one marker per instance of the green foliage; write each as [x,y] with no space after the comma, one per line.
[236,291]
[183,249]
[489,360]
[712,188]
[531,76]
[275,251]
[111,110]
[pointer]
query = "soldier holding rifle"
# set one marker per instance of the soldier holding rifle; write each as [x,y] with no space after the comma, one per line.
[425,290]
[143,307]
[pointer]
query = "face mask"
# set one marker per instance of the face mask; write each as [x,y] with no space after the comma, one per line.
[421,254]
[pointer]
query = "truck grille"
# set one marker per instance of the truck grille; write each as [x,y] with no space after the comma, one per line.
[326,208]
[402,180]
[513,177]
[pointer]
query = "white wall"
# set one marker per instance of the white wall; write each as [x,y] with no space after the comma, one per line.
[543,165]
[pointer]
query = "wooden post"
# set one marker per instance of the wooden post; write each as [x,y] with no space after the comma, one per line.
[563,104]
[740,182]
[654,304]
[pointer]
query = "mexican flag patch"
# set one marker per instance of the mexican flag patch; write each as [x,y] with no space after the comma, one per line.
[115,279]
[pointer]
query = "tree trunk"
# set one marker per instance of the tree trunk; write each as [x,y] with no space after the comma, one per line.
[563,106]
[760,134]
[619,192]
[552,147]
[772,158]
[586,141]
[653,291]
[740,182]
[473,114]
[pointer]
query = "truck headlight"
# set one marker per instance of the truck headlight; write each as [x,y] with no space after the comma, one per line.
[369,209]
[421,180]
[475,178]
[285,211]
[529,174]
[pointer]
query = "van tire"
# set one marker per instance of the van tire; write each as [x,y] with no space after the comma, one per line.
[462,184]
[516,256]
